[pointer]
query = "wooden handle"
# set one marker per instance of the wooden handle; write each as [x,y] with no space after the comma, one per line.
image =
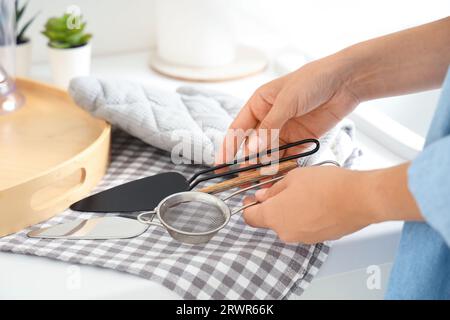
[251,176]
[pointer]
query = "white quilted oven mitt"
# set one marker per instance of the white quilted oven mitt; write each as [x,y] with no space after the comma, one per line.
[159,118]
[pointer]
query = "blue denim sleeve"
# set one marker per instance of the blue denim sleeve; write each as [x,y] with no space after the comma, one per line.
[429,173]
[429,182]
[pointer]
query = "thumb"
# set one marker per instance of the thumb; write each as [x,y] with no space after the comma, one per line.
[263,194]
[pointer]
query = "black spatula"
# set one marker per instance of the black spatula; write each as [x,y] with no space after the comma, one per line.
[137,195]
[145,194]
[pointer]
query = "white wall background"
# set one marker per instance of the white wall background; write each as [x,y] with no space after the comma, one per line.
[317,27]
[117,25]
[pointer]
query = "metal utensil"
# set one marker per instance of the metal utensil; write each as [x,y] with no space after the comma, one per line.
[195,217]
[145,194]
[93,229]
[191,217]
[190,226]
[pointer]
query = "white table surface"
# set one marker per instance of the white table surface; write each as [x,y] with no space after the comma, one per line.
[41,278]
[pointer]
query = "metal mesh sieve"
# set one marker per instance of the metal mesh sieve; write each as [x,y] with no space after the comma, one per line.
[193,216]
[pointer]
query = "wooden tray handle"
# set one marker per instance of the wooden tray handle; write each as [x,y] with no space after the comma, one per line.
[52,192]
[251,176]
[41,197]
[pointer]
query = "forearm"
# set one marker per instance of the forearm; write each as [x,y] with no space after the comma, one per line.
[386,194]
[408,61]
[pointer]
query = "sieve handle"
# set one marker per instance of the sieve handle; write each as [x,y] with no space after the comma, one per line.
[251,176]
[249,188]
[149,218]
[244,207]
[331,162]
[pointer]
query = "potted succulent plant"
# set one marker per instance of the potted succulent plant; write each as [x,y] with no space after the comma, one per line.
[23,43]
[69,48]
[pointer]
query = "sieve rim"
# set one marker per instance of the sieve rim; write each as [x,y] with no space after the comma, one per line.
[214,199]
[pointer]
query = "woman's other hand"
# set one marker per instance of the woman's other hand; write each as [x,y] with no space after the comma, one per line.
[303,104]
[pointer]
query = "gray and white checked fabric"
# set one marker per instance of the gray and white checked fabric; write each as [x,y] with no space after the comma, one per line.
[240,262]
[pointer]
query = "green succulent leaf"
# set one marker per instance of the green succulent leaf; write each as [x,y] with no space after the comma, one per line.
[59,45]
[60,35]
[56,24]
[85,39]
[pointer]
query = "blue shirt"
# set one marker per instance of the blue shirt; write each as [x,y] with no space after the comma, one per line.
[422,266]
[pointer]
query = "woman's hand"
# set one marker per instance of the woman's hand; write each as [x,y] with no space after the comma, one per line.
[310,101]
[303,104]
[315,204]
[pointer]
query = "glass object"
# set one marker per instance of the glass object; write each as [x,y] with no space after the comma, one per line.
[10,99]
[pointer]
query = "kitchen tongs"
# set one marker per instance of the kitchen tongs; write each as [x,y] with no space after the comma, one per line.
[145,194]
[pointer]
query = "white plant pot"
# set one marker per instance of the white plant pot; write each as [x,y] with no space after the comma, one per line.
[23,59]
[195,33]
[69,63]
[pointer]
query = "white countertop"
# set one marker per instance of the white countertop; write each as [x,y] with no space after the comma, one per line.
[35,277]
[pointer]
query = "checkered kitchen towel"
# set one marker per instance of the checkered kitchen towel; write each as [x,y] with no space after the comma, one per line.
[240,262]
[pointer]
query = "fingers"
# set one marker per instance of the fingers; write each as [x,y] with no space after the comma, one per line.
[258,216]
[254,215]
[275,119]
[268,134]
[249,117]
[244,121]
[263,194]
[269,214]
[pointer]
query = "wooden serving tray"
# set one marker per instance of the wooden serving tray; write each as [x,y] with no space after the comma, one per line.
[52,153]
